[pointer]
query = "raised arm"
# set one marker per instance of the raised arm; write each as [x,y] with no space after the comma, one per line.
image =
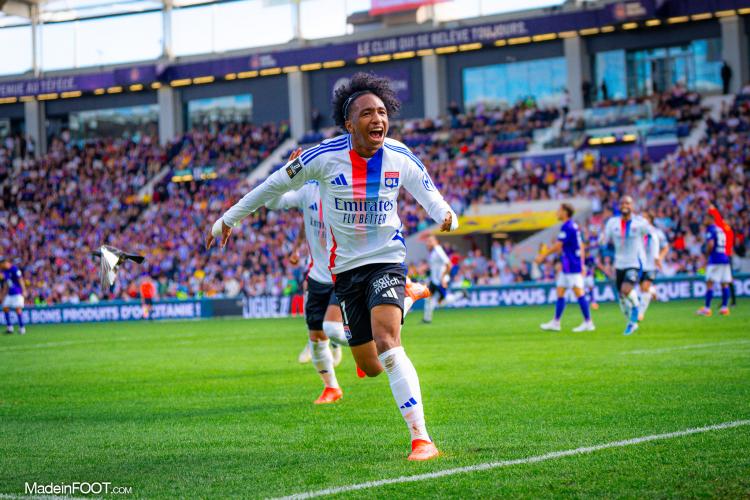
[292,176]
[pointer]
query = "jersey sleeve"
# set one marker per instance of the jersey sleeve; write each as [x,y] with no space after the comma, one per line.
[606,237]
[292,199]
[291,176]
[418,183]
[443,256]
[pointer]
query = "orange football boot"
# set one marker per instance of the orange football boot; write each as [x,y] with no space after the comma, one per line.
[329,395]
[724,311]
[704,311]
[422,450]
[416,291]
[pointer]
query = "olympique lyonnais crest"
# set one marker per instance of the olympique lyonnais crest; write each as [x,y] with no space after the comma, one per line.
[391,179]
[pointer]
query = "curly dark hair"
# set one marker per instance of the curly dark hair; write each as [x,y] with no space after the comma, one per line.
[363,83]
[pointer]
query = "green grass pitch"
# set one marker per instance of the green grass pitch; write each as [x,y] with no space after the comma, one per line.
[222,409]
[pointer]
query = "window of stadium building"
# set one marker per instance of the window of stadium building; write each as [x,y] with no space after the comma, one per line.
[507,84]
[696,65]
[229,109]
[129,123]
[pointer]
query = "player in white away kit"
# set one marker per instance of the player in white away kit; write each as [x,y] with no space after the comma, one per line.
[360,174]
[322,311]
[627,233]
[655,248]
[440,268]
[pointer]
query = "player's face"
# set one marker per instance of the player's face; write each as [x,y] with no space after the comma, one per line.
[368,123]
[562,215]
[626,207]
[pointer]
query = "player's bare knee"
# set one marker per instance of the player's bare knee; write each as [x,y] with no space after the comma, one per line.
[317,335]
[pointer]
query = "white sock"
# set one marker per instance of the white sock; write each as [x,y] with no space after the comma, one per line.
[334,330]
[322,360]
[429,306]
[645,301]
[408,302]
[405,388]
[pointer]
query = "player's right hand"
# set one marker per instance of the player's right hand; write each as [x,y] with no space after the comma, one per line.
[219,231]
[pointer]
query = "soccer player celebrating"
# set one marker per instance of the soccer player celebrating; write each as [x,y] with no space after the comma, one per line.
[655,248]
[14,290]
[719,243]
[627,233]
[360,174]
[569,246]
[322,311]
[440,268]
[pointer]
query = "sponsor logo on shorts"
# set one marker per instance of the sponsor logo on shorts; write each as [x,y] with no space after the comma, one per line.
[385,281]
[347,332]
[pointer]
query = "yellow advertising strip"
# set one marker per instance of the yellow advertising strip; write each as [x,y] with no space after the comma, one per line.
[629,26]
[136,87]
[71,94]
[8,100]
[677,20]
[469,46]
[380,58]
[114,90]
[361,60]
[404,55]
[589,31]
[230,76]
[519,40]
[701,17]
[653,22]
[567,34]
[425,52]
[181,82]
[500,43]
[334,64]
[545,37]
[99,91]
[446,50]
[156,85]
[507,223]
[27,98]
[47,97]
[290,69]
[608,29]
[725,13]
[247,74]
[270,71]
[200,80]
[311,67]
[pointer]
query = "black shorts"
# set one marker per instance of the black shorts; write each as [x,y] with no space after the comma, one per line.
[361,289]
[319,297]
[628,275]
[648,276]
[438,289]
[149,301]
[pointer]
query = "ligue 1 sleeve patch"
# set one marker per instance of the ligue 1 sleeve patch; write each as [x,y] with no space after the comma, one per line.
[293,168]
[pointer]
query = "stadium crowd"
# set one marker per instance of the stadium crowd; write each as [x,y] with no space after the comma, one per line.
[57,209]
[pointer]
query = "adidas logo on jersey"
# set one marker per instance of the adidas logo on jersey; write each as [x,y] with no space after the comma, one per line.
[340,180]
[313,207]
[390,294]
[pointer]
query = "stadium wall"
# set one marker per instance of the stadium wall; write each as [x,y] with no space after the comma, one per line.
[527,294]
[457,63]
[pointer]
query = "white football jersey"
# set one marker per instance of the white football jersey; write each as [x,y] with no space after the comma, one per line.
[359,199]
[628,238]
[437,260]
[653,244]
[307,199]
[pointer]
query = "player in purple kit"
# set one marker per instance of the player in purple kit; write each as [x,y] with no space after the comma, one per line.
[719,240]
[570,248]
[13,292]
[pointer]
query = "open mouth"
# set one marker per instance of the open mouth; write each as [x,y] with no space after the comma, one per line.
[376,134]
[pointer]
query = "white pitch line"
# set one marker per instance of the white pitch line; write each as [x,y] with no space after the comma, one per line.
[518,461]
[686,347]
